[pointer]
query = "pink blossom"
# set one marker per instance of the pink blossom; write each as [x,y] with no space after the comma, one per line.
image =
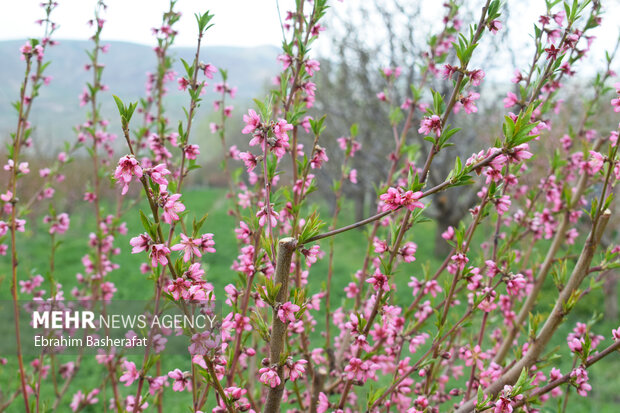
[519,153]
[262,216]
[280,128]
[323,404]
[476,77]
[130,374]
[182,380]
[286,312]
[432,287]
[269,376]
[183,83]
[130,404]
[80,400]
[158,174]
[552,52]
[492,269]
[249,160]
[580,377]
[20,225]
[448,71]
[7,196]
[158,254]
[311,254]
[189,246]
[179,288]
[360,370]
[576,345]
[460,260]
[297,369]
[312,66]
[140,243]
[595,163]
[192,151]
[60,225]
[408,251]
[30,285]
[252,121]
[395,198]
[209,70]
[156,383]
[502,204]
[391,199]
[352,176]
[351,290]
[172,207]
[430,123]
[319,157]
[510,100]
[243,232]
[515,284]
[203,343]
[380,245]
[411,200]
[127,168]
[495,26]
[503,405]
[615,103]
[379,282]
[286,61]
[448,234]
[468,103]
[207,243]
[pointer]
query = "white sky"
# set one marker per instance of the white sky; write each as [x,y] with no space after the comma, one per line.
[237,22]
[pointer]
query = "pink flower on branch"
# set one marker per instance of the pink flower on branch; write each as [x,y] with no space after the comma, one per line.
[379,282]
[127,168]
[179,288]
[262,216]
[158,254]
[395,198]
[189,246]
[269,377]
[140,243]
[172,207]
[297,369]
[130,374]
[430,124]
[182,380]
[286,312]
[252,121]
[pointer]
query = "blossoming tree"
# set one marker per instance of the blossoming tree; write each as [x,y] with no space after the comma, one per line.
[469,335]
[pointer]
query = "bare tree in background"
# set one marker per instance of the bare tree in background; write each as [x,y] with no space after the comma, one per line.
[349,81]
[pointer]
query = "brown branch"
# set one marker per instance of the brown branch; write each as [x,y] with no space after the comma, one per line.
[552,385]
[557,315]
[286,247]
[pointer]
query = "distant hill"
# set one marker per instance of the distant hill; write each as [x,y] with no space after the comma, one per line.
[57,108]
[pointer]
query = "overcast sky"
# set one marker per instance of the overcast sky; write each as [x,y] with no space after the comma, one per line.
[237,22]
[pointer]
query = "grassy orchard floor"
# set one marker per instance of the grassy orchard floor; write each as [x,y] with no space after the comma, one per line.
[349,253]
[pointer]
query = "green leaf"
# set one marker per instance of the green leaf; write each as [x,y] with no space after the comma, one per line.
[149,226]
[119,105]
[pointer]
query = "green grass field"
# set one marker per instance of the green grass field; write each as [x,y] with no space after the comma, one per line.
[350,248]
